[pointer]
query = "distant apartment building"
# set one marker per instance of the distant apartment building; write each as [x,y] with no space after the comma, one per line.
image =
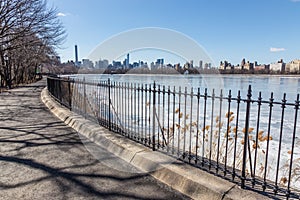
[260,67]
[117,64]
[87,63]
[248,66]
[225,65]
[101,64]
[191,64]
[201,64]
[177,66]
[293,66]
[186,65]
[238,67]
[135,64]
[159,62]
[206,66]
[278,67]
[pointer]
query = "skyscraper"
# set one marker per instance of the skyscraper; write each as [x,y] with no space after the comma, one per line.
[127,60]
[159,61]
[201,64]
[76,55]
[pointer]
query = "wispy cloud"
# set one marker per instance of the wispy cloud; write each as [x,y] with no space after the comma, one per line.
[60,14]
[295,0]
[274,49]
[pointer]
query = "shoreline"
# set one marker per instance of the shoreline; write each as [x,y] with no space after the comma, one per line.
[192,75]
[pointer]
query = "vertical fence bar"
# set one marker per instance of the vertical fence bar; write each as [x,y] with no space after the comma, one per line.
[84,97]
[178,125]
[113,107]
[78,96]
[97,101]
[127,89]
[191,125]
[157,115]
[142,114]
[119,109]
[293,146]
[173,126]
[153,116]
[136,134]
[123,109]
[211,129]
[146,114]
[259,103]
[219,132]
[236,132]
[93,96]
[163,116]
[69,92]
[197,125]
[247,121]
[149,112]
[168,125]
[75,96]
[268,142]
[59,91]
[283,103]
[138,112]
[228,130]
[103,103]
[109,105]
[184,124]
[204,127]
[131,111]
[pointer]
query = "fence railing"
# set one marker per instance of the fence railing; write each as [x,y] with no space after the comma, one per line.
[252,142]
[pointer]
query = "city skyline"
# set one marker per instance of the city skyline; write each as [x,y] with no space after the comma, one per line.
[161,61]
[127,62]
[228,30]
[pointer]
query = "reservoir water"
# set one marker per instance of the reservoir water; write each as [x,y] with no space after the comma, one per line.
[264,83]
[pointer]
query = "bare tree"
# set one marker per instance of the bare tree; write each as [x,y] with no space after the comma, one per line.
[29,34]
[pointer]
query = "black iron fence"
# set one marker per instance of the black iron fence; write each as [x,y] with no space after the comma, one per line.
[250,141]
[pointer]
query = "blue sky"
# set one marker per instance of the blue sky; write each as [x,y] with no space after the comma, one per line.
[258,30]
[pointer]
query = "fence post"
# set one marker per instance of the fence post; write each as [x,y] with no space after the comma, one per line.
[84,97]
[59,93]
[153,118]
[70,95]
[109,104]
[244,166]
[46,82]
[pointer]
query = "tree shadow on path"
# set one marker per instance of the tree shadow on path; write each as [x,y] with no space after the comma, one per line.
[40,157]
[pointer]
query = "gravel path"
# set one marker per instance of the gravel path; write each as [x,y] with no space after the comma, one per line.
[42,158]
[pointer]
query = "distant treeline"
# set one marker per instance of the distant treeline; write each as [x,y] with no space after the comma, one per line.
[140,70]
[146,70]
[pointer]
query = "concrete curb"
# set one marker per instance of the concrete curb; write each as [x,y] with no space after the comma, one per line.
[189,180]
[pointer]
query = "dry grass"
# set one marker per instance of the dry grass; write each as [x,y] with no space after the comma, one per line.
[231,138]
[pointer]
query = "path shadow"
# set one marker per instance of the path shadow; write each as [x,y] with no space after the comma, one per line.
[39,150]
[30,138]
